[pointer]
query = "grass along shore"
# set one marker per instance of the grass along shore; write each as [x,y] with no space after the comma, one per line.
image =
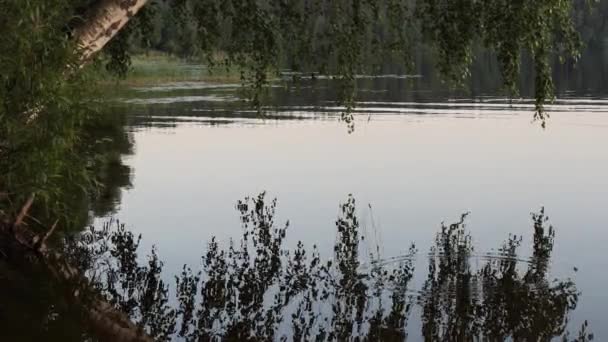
[156,68]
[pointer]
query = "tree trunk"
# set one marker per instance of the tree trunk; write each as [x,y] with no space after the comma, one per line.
[105,19]
[105,320]
[102,319]
[102,22]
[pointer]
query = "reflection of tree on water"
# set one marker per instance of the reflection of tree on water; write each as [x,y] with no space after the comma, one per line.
[255,289]
[497,301]
[96,160]
[109,143]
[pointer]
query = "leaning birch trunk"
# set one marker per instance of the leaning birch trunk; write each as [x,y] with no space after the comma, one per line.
[102,23]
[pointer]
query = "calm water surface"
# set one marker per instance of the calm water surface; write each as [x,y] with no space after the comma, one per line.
[417,158]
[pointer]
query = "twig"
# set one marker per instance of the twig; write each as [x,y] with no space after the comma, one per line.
[40,243]
[35,220]
[24,210]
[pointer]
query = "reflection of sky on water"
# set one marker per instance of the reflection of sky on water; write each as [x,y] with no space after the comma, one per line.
[417,164]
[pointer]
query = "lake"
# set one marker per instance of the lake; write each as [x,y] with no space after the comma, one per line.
[417,157]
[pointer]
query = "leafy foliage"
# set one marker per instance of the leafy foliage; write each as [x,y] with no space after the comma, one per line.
[41,76]
[54,141]
[41,115]
[341,37]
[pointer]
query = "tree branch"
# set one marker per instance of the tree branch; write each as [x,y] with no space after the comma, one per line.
[23,212]
[105,319]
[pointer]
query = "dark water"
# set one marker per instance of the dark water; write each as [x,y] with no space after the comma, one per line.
[445,215]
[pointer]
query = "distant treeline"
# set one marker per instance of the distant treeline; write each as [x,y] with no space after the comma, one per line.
[171,32]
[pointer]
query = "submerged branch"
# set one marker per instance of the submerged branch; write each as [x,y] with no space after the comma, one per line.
[104,319]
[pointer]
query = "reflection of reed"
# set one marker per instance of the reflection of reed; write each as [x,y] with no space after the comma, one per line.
[254,289]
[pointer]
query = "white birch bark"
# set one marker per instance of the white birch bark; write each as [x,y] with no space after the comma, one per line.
[103,22]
